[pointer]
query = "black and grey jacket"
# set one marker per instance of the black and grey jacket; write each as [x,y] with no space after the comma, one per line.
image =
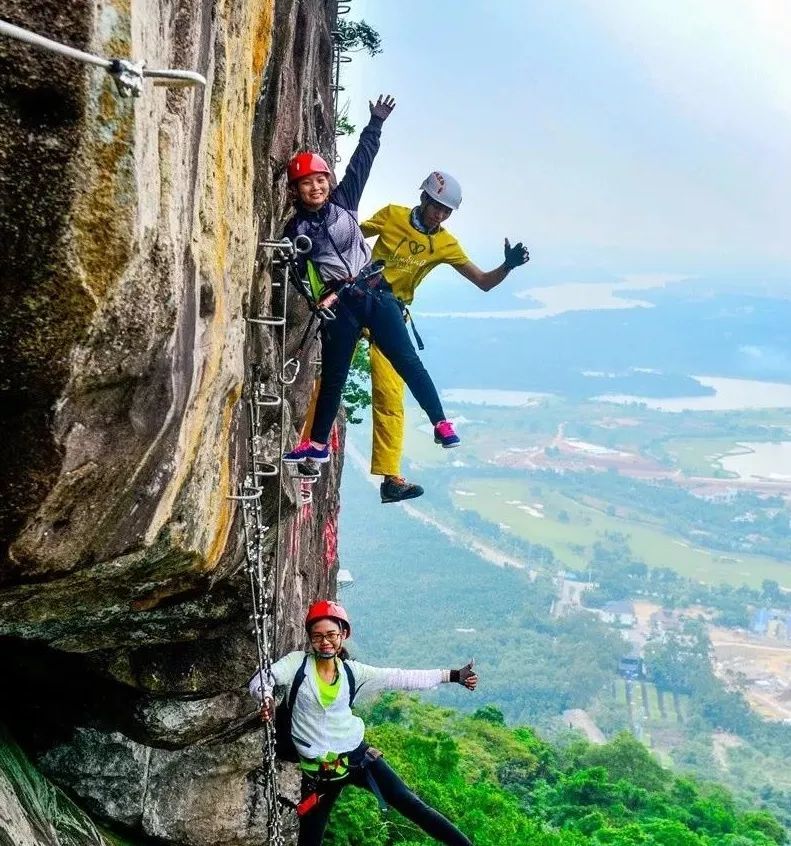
[339,248]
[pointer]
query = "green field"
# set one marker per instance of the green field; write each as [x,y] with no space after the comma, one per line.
[569,529]
[653,701]
[690,442]
[654,717]
[699,456]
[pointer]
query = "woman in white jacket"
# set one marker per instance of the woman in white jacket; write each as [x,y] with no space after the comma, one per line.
[329,737]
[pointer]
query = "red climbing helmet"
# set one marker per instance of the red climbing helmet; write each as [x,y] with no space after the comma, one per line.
[306,164]
[323,609]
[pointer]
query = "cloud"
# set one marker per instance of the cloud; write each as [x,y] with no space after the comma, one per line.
[772,359]
[725,62]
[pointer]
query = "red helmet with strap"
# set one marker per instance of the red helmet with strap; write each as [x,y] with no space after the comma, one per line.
[306,164]
[327,609]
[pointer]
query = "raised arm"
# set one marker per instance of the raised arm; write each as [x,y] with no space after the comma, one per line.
[350,188]
[488,279]
[394,678]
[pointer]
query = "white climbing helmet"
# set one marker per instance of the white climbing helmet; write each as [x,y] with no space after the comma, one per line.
[442,188]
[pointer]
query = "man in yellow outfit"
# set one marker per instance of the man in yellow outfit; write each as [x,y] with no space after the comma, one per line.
[412,242]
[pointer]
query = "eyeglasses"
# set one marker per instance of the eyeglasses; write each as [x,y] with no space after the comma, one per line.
[330,637]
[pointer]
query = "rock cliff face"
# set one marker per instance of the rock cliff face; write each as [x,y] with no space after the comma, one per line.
[129,231]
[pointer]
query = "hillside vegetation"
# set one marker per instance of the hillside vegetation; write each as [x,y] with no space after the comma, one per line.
[507,786]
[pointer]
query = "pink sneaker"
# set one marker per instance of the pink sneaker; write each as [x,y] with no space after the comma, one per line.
[444,434]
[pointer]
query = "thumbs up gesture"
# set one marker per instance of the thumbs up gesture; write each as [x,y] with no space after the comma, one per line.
[465,676]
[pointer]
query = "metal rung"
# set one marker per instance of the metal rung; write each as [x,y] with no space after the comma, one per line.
[302,471]
[305,497]
[255,493]
[266,469]
[248,490]
[267,320]
[264,399]
[301,244]
[309,473]
[283,244]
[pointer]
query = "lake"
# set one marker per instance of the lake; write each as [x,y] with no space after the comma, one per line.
[730,395]
[760,461]
[491,396]
[553,300]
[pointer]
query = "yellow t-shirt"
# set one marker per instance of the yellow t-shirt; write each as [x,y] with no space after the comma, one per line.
[408,253]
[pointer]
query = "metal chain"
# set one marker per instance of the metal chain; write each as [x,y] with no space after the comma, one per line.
[264,571]
[263,595]
[265,580]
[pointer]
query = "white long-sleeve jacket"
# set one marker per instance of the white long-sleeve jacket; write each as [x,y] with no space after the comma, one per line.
[317,730]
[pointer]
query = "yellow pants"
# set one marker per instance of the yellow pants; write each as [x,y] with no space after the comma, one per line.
[387,394]
[310,412]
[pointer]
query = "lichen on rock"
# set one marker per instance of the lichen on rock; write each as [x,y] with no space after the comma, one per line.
[129,231]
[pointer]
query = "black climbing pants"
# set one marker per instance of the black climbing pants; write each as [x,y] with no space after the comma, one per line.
[394,792]
[380,313]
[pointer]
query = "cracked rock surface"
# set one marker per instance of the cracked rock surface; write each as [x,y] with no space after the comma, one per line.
[129,232]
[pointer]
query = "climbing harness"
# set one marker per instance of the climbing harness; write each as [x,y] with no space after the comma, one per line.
[367,284]
[411,321]
[127,75]
[359,759]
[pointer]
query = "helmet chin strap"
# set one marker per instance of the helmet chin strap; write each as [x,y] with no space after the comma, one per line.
[326,655]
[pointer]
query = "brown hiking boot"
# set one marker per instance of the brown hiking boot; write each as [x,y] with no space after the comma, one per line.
[396,488]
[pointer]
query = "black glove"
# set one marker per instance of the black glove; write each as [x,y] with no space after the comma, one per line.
[515,256]
[465,676]
[383,106]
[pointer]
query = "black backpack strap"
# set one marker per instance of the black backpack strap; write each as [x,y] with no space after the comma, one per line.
[299,677]
[352,683]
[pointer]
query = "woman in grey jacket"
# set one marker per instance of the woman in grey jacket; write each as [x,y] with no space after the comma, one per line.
[329,737]
[340,256]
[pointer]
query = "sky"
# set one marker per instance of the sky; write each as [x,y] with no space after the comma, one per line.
[640,135]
